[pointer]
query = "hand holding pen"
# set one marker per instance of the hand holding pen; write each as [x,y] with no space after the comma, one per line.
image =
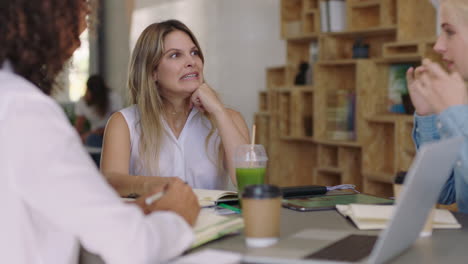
[176,196]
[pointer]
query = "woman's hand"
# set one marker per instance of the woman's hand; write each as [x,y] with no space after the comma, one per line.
[205,99]
[178,198]
[421,106]
[441,89]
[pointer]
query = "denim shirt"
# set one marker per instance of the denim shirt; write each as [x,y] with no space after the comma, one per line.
[451,122]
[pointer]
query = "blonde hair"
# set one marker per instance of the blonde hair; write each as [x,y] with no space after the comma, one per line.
[459,7]
[145,94]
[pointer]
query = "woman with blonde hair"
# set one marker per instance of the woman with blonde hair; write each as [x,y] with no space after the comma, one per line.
[441,98]
[177,126]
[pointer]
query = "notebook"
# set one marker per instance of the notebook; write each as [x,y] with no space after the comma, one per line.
[372,217]
[209,198]
[328,202]
[211,226]
[428,173]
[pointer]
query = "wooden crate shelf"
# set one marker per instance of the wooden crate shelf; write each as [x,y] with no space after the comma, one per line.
[369,14]
[291,11]
[327,177]
[339,46]
[328,156]
[262,122]
[310,5]
[299,19]
[276,77]
[297,52]
[295,138]
[367,32]
[263,101]
[285,113]
[409,49]
[382,189]
[379,148]
[382,177]
[310,22]
[342,143]
[293,121]
[415,27]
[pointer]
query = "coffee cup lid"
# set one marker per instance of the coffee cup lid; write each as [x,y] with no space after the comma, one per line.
[261,191]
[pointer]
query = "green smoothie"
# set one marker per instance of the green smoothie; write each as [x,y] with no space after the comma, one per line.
[249,176]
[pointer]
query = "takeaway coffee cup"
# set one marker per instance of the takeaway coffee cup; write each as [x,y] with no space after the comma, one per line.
[261,211]
[397,189]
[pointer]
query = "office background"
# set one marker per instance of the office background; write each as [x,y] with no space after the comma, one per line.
[240,40]
[253,50]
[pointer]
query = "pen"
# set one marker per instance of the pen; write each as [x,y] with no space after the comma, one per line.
[232,208]
[153,198]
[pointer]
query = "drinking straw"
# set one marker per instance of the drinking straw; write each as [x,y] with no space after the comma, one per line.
[252,144]
[253,136]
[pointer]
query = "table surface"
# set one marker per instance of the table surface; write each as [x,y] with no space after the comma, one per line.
[444,246]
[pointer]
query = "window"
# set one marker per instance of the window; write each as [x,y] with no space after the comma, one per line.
[78,71]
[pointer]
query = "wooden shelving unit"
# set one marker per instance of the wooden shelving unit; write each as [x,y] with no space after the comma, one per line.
[294,121]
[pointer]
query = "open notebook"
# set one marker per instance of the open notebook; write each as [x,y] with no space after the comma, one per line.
[208,198]
[371,217]
[211,226]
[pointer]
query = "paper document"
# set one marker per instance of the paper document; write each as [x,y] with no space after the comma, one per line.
[369,217]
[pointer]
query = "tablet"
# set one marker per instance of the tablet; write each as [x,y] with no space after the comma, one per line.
[327,202]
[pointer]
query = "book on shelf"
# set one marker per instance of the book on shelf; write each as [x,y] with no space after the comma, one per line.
[332,15]
[324,21]
[397,86]
[313,58]
[211,226]
[341,105]
[208,198]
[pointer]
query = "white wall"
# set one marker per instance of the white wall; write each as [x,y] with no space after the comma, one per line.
[239,38]
[116,51]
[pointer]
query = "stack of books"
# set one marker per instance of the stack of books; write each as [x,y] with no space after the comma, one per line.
[340,115]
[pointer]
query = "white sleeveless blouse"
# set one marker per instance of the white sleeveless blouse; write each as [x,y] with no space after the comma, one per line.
[185,157]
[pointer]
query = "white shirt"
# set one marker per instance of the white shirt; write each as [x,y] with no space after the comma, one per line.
[52,197]
[95,120]
[185,157]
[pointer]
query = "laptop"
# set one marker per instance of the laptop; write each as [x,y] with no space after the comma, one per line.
[423,183]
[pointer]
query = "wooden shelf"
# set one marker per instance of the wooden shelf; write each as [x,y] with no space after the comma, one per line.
[305,88]
[294,138]
[312,11]
[330,170]
[353,144]
[379,176]
[399,59]
[297,122]
[367,3]
[303,37]
[389,118]
[337,62]
[373,31]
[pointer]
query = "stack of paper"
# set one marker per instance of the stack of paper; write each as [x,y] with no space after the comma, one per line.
[368,217]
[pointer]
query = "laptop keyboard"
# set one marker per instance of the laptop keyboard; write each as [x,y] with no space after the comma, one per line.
[351,248]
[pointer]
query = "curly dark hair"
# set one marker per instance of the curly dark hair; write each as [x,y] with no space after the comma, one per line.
[38,36]
[99,94]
